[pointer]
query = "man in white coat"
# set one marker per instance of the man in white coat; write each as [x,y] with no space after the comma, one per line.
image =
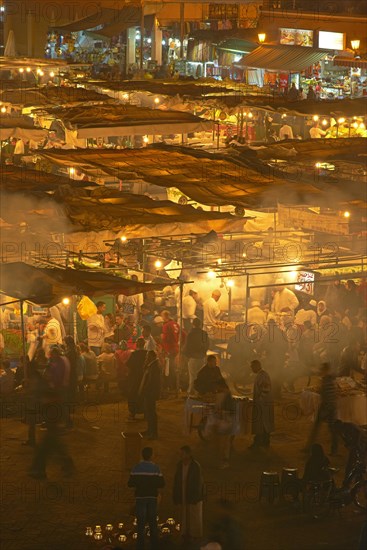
[212,311]
[255,315]
[97,329]
[283,298]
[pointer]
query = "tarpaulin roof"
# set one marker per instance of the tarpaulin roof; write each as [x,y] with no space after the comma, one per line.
[35,182]
[230,97]
[50,95]
[121,120]
[83,206]
[47,286]
[100,17]
[283,58]
[20,127]
[106,22]
[212,179]
[124,19]
[107,209]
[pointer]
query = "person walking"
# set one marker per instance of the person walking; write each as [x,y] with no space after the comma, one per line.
[263,407]
[327,409]
[147,479]
[197,344]
[170,345]
[149,392]
[188,494]
[52,411]
[135,367]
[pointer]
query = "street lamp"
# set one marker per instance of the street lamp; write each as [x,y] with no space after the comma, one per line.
[261,37]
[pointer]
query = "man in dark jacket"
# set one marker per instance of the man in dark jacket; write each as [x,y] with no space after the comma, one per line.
[149,392]
[135,366]
[147,479]
[209,378]
[188,494]
[197,344]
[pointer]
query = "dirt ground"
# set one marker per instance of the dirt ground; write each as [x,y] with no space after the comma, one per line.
[53,514]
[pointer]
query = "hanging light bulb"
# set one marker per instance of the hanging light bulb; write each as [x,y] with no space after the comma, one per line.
[324,122]
[123,238]
[157,264]
[230,283]
[346,214]
[66,301]
[315,118]
[211,274]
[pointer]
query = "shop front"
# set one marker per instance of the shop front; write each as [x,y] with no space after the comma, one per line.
[279,65]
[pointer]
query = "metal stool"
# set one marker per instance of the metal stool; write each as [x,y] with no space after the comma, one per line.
[269,486]
[289,482]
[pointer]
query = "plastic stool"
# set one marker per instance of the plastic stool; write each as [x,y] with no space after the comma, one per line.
[269,486]
[289,483]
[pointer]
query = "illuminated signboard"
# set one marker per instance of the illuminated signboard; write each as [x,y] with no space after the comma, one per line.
[305,282]
[296,37]
[331,40]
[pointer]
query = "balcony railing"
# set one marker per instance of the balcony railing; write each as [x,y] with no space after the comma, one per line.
[329,7]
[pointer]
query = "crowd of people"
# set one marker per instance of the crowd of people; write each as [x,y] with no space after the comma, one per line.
[137,349]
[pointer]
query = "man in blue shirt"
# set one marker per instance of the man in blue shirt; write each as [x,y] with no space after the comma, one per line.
[147,479]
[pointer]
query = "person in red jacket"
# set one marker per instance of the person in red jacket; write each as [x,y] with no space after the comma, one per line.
[170,345]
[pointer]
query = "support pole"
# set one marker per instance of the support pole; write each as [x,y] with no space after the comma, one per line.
[142,31]
[247,296]
[23,341]
[229,303]
[179,343]
[182,29]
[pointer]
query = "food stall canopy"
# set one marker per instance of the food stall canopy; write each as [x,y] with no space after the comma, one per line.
[350,62]
[283,58]
[127,120]
[210,179]
[21,128]
[127,17]
[100,17]
[47,286]
[34,182]
[50,95]
[107,22]
[86,208]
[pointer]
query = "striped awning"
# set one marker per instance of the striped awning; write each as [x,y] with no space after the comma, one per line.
[283,58]
[350,62]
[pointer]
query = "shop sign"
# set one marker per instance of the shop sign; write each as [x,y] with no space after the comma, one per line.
[331,40]
[283,80]
[305,282]
[296,37]
[223,11]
